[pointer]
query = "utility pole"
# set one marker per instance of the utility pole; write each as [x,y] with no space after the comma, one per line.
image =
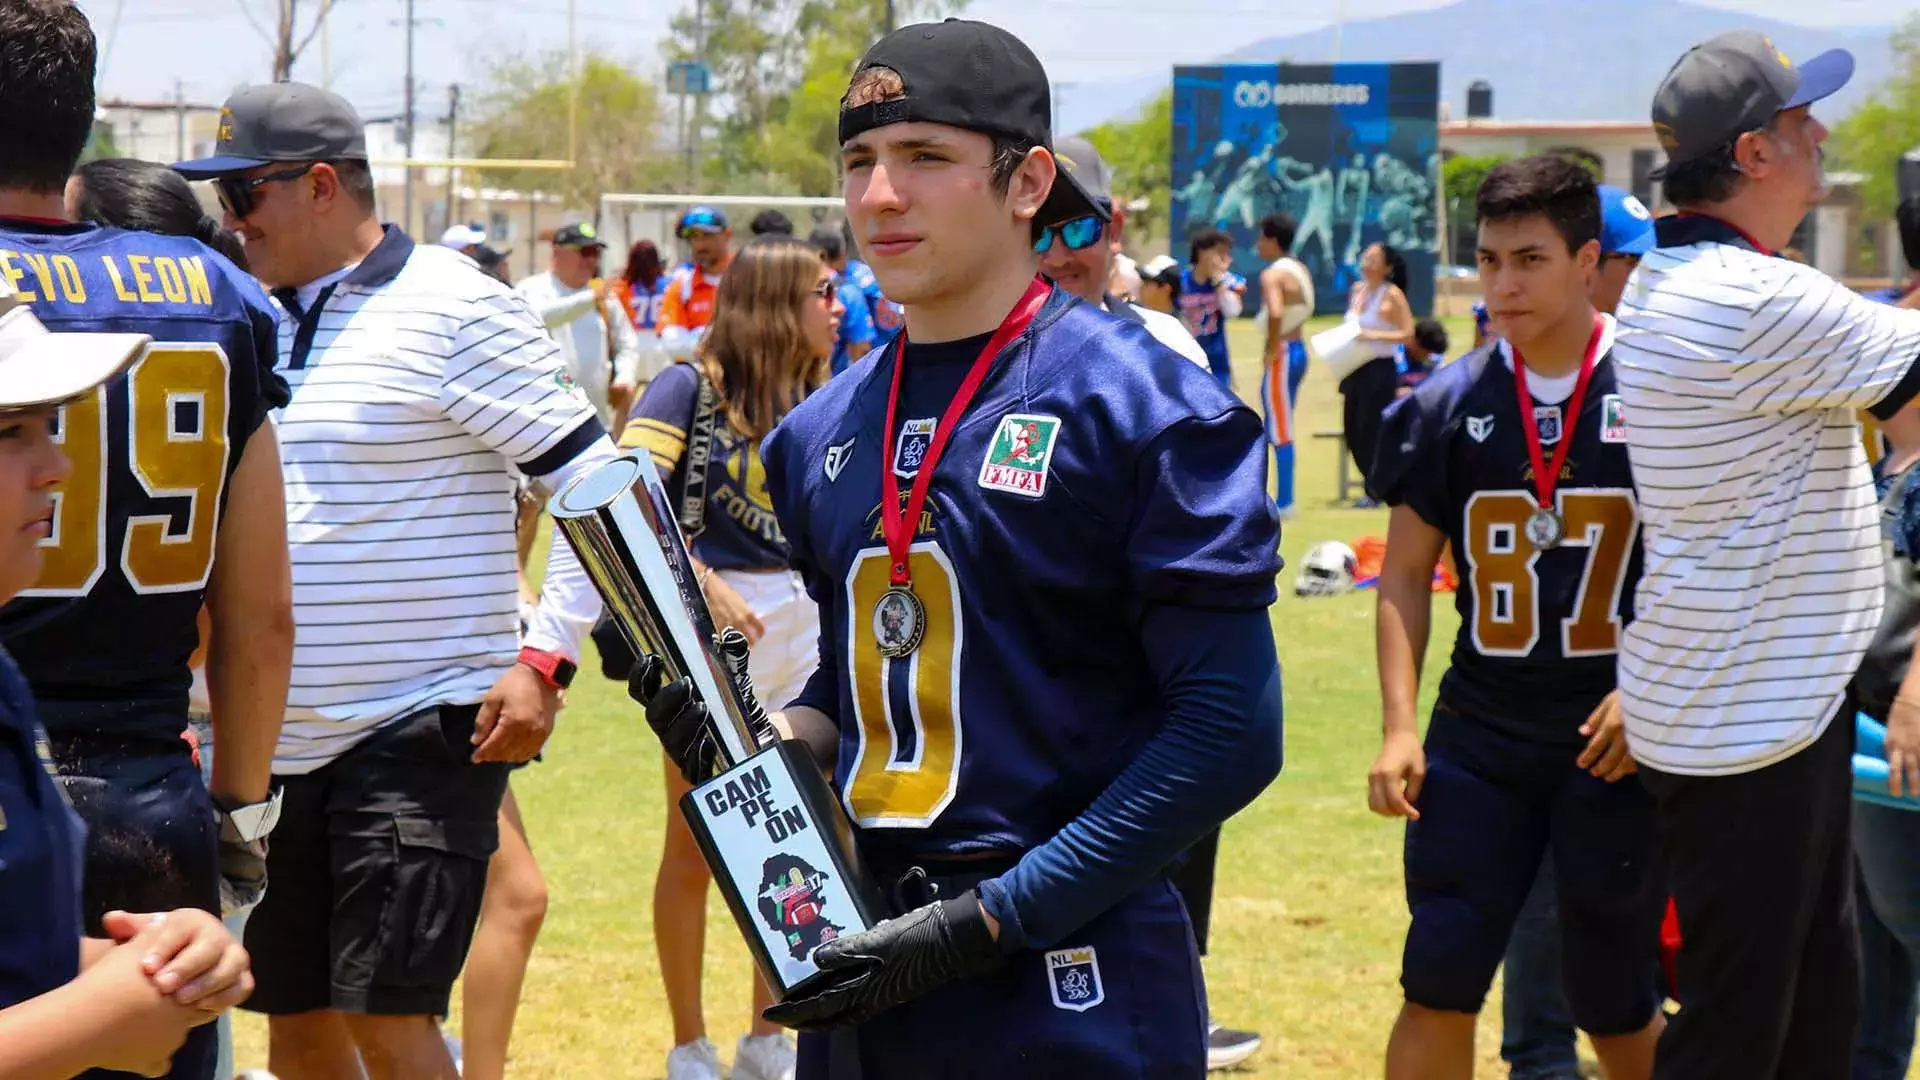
[889,27]
[686,139]
[700,100]
[406,213]
[179,121]
[453,119]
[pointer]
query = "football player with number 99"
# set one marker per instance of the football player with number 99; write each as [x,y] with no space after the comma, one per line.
[1043,552]
[1517,455]
[175,497]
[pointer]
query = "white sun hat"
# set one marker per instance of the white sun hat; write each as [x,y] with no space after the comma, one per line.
[39,367]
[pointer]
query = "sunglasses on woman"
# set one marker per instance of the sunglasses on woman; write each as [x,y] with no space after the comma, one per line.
[824,290]
[1079,234]
[237,192]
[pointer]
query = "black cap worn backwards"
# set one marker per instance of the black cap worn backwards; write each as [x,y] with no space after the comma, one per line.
[1732,84]
[281,122]
[974,76]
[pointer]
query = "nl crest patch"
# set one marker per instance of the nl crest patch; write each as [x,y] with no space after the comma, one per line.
[1073,978]
[1546,420]
[1019,454]
[915,437]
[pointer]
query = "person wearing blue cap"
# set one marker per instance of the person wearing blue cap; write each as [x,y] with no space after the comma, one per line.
[1626,233]
[1741,376]
[687,306]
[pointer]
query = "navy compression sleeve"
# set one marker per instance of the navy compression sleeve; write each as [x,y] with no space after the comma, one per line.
[1220,747]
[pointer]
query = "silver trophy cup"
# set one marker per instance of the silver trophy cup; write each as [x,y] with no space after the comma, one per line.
[780,845]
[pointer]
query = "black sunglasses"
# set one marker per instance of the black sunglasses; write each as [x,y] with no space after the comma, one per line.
[237,192]
[825,290]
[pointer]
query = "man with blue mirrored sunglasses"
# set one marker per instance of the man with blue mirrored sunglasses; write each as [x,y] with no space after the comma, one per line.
[1077,254]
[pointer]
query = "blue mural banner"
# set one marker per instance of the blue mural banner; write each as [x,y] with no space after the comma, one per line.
[1352,151]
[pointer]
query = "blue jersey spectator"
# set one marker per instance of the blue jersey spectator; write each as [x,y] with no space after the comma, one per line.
[857,334]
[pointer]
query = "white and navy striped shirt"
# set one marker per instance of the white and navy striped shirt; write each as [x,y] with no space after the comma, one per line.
[417,381]
[1741,375]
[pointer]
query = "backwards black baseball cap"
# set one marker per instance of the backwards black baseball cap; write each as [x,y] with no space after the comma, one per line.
[974,76]
[260,125]
[1732,84]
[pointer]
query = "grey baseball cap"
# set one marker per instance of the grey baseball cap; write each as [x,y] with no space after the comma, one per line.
[1081,161]
[288,121]
[1732,84]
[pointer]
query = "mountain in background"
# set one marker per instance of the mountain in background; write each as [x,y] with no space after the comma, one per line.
[1546,59]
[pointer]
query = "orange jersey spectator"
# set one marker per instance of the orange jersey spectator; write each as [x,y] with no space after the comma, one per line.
[687,306]
[688,300]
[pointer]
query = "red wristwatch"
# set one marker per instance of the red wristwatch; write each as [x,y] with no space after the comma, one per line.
[556,669]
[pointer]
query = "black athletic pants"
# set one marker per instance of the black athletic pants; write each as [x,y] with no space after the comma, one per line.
[1192,878]
[1761,866]
[1365,394]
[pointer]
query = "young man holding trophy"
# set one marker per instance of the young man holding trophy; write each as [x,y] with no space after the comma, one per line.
[1043,553]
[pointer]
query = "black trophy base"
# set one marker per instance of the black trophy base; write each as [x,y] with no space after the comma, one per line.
[783,854]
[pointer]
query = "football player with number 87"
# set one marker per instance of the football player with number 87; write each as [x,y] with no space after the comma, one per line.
[1516,454]
[1043,553]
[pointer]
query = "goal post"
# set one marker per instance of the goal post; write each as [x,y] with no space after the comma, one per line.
[625,217]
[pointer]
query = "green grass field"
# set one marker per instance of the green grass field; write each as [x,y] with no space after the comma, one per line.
[1308,912]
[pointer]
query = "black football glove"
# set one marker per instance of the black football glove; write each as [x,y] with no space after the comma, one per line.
[684,724]
[893,963]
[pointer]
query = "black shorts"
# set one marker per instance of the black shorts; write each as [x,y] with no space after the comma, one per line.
[376,871]
[1492,806]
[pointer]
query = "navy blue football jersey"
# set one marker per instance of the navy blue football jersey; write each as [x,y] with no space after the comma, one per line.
[739,531]
[1538,629]
[1094,476]
[105,634]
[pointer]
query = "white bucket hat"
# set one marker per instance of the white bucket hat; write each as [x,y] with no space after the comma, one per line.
[40,367]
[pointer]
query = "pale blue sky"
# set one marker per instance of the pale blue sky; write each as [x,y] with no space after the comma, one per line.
[210,47]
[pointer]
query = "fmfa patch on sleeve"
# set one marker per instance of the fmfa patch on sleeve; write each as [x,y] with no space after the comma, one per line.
[1073,978]
[1019,454]
[1613,419]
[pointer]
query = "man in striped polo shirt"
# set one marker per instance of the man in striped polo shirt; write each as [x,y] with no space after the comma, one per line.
[1740,375]
[417,381]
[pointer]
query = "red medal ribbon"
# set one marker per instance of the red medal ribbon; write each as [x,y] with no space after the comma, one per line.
[897,525]
[1544,479]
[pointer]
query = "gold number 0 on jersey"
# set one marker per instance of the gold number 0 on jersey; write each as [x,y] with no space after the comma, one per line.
[886,789]
[176,448]
[1506,607]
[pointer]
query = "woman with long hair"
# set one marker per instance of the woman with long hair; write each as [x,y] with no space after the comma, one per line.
[1378,303]
[146,196]
[640,288]
[775,318]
